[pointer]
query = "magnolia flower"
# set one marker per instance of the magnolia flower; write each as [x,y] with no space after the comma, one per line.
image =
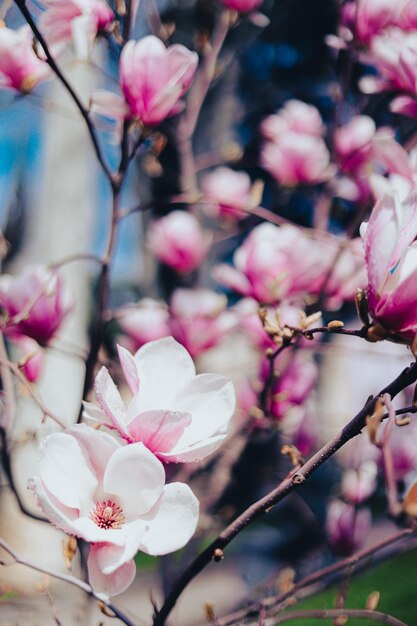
[243,6]
[29,353]
[359,484]
[39,301]
[146,321]
[154,78]
[199,319]
[346,526]
[391,260]
[114,497]
[178,241]
[229,193]
[179,416]
[367,18]
[295,116]
[78,21]
[20,68]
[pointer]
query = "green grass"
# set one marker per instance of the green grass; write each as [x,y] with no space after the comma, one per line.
[396,580]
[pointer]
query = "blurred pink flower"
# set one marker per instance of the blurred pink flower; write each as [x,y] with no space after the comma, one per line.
[347,527]
[199,319]
[243,6]
[294,152]
[115,498]
[358,484]
[186,422]
[367,18]
[153,78]
[20,68]
[29,353]
[178,241]
[391,260]
[38,300]
[78,21]
[143,322]
[229,193]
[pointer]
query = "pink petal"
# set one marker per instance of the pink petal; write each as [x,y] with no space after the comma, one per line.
[172,522]
[128,364]
[159,431]
[136,478]
[108,584]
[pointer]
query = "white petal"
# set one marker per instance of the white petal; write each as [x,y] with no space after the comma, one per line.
[173,521]
[211,400]
[97,446]
[110,400]
[136,478]
[196,452]
[128,364]
[109,584]
[65,473]
[164,366]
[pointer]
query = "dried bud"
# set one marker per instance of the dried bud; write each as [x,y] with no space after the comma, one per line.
[335,325]
[403,421]
[209,611]
[70,550]
[218,555]
[374,420]
[293,453]
[376,333]
[372,601]
[285,580]
[361,302]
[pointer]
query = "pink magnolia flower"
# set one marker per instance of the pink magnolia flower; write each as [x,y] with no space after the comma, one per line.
[29,353]
[20,68]
[114,497]
[229,192]
[78,21]
[243,6]
[295,152]
[347,527]
[35,302]
[358,484]
[146,321]
[391,260]
[199,319]
[367,18]
[154,78]
[178,241]
[179,416]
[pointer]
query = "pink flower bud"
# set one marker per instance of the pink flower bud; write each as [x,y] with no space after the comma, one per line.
[146,321]
[391,260]
[347,527]
[29,354]
[199,319]
[35,302]
[358,485]
[243,6]
[229,191]
[20,68]
[178,241]
[153,78]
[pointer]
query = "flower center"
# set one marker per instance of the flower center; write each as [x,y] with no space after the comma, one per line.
[107,514]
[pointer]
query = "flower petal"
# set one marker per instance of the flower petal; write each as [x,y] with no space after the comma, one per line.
[136,478]
[163,366]
[108,584]
[159,431]
[172,522]
[97,446]
[128,364]
[110,400]
[195,452]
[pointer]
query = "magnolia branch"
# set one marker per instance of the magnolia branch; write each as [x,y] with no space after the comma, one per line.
[262,506]
[376,616]
[71,580]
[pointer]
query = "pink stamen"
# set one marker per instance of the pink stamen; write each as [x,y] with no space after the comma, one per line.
[107,514]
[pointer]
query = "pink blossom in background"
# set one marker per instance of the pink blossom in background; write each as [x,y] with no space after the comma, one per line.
[294,152]
[228,192]
[44,298]
[367,18]
[353,143]
[178,241]
[143,322]
[243,6]
[113,497]
[391,260]
[78,21]
[347,527]
[20,68]
[358,484]
[179,416]
[153,78]
[200,319]
[29,354]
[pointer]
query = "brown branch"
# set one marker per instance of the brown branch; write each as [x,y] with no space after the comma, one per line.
[259,508]
[67,578]
[376,616]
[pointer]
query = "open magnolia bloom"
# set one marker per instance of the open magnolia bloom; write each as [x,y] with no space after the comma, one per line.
[114,497]
[178,415]
[391,260]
